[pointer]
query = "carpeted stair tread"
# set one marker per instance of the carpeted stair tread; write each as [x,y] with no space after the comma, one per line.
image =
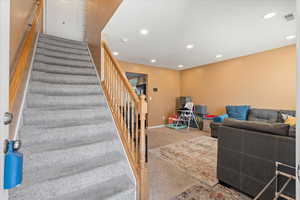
[69,41]
[64,102]
[58,69]
[63,44]
[61,61]
[47,173]
[67,143]
[118,188]
[56,54]
[31,134]
[65,118]
[62,49]
[37,136]
[66,185]
[63,78]
[70,154]
[52,89]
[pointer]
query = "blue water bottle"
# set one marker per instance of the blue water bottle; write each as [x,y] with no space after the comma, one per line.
[13,166]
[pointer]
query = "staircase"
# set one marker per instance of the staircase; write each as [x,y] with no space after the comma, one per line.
[72,150]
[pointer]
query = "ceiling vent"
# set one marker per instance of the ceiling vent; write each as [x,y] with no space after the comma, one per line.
[289,17]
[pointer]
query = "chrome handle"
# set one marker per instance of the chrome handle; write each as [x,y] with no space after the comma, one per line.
[8,117]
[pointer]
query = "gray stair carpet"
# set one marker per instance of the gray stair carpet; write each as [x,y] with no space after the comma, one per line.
[71,147]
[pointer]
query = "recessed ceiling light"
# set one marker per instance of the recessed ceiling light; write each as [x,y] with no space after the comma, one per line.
[124,40]
[153,61]
[116,53]
[290,37]
[180,66]
[144,31]
[269,15]
[190,46]
[219,56]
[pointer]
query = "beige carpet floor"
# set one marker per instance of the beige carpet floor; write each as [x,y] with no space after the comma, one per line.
[159,137]
[168,180]
[203,192]
[196,157]
[165,180]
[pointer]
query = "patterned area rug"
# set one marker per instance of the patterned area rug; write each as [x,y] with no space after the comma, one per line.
[204,192]
[196,157]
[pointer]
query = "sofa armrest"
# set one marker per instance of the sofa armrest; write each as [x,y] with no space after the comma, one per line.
[214,127]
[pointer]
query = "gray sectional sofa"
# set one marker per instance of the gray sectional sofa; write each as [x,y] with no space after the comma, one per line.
[248,150]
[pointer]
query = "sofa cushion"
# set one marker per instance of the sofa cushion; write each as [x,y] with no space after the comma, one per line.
[264,115]
[220,118]
[238,112]
[273,128]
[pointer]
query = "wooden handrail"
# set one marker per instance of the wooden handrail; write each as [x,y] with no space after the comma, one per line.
[129,112]
[22,62]
[120,72]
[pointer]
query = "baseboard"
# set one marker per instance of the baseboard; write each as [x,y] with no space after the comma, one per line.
[158,126]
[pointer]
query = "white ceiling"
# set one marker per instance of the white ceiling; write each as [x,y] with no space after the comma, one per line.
[232,28]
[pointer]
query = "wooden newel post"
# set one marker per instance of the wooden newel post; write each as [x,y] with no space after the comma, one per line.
[143,151]
[143,111]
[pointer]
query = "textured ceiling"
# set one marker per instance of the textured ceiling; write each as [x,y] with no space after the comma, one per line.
[232,28]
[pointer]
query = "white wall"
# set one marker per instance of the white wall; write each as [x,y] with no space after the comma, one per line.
[66,18]
[4,82]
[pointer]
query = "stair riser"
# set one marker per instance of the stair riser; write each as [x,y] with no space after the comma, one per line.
[64,138]
[70,81]
[66,91]
[62,44]
[63,62]
[62,49]
[63,79]
[64,107]
[67,143]
[44,123]
[64,102]
[57,69]
[61,55]
[65,118]
[58,39]
[31,136]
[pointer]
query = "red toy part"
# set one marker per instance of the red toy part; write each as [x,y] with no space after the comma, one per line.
[172,119]
[211,116]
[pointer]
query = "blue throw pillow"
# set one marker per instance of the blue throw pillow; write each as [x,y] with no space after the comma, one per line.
[220,118]
[238,112]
